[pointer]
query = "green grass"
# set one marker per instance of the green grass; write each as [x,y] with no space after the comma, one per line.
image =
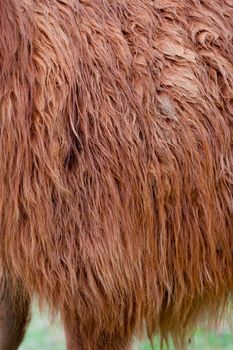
[41,335]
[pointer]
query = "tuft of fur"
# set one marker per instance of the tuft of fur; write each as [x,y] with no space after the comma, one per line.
[116,161]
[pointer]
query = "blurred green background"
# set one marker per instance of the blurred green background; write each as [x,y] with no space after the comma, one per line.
[42,335]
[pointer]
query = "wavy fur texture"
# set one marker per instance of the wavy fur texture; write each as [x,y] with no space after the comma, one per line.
[116,162]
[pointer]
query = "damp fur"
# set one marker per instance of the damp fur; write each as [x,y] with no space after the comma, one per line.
[116,162]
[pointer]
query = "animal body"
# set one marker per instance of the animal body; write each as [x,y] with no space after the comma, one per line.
[116,166]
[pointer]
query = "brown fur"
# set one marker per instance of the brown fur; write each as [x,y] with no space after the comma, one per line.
[116,162]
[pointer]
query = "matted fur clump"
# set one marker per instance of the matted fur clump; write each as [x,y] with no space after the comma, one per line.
[116,162]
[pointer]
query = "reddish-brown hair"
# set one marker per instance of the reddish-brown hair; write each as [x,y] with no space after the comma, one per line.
[116,161]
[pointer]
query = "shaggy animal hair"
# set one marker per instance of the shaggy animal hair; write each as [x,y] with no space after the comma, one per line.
[116,162]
